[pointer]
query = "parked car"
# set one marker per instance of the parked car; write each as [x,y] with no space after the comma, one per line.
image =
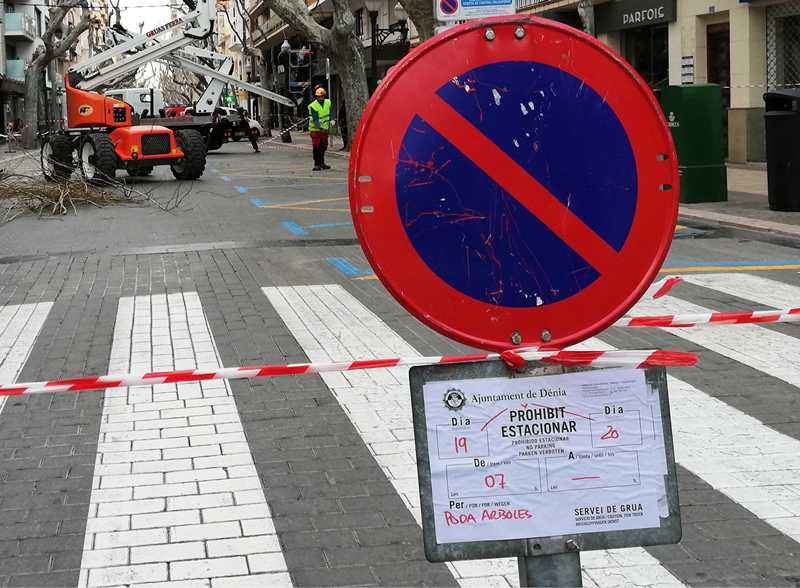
[175,111]
[233,115]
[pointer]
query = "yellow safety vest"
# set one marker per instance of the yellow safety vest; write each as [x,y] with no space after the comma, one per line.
[323,115]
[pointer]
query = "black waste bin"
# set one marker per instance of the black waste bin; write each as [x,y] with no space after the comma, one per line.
[782,120]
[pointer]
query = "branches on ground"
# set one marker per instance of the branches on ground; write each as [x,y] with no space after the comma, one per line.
[23,193]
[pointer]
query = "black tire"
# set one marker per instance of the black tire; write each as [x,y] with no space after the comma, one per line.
[236,138]
[193,164]
[98,159]
[56,158]
[141,171]
[255,133]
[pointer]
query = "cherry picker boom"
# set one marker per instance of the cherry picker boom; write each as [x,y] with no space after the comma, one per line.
[101,130]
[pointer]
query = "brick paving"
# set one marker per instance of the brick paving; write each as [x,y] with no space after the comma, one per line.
[328,493]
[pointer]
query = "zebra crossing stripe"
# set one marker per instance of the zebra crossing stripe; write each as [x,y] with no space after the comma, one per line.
[175,494]
[770,352]
[750,287]
[19,326]
[328,322]
[738,455]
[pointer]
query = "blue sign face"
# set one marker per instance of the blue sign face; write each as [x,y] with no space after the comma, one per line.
[479,238]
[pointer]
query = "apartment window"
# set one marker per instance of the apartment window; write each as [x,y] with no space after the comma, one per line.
[38,22]
[359,16]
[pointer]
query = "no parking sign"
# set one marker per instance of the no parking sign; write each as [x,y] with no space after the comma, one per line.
[513,182]
[449,10]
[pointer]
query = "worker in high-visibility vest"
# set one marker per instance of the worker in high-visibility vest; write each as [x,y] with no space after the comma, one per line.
[319,114]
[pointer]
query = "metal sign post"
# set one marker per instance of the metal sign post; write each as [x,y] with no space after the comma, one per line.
[543,463]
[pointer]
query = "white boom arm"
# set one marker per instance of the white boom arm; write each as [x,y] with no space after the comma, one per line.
[218,76]
[197,24]
[97,71]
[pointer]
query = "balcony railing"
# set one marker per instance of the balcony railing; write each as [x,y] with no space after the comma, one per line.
[20,25]
[15,69]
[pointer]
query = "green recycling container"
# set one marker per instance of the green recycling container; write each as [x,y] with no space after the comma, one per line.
[694,115]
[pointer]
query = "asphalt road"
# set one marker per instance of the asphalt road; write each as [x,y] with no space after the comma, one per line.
[310,480]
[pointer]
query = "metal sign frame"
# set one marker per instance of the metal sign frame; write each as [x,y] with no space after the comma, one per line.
[668,532]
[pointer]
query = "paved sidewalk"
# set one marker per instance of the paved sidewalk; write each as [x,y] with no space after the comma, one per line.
[747,206]
[9,156]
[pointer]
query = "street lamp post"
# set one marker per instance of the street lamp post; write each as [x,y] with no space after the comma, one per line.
[378,35]
[373,6]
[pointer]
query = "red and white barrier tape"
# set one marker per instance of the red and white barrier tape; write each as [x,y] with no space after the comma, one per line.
[663,287]
[622,358]
[791,315]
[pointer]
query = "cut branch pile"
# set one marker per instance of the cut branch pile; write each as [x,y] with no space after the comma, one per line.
[22,193]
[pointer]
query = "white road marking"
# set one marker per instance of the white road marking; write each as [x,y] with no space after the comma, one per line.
[19,326]
[164,503]
[332,325]
[768,351]
[751,287]
[738,455]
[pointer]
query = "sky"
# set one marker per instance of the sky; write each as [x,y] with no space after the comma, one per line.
[151,12]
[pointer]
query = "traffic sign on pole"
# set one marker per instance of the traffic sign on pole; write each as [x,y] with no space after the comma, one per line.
[513,182]
[450,10]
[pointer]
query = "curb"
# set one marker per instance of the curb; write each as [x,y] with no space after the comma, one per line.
[739,222]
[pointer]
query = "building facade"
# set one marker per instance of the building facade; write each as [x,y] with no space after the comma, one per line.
[22,24]
[747,46]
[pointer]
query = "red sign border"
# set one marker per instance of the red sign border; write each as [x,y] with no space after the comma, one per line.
[583,57]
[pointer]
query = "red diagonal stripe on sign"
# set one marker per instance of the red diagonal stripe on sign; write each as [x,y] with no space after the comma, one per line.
[515,180]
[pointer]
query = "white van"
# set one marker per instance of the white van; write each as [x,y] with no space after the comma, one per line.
[139,99]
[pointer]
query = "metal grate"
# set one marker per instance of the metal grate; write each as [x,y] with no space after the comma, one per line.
[783,45]
[155,144]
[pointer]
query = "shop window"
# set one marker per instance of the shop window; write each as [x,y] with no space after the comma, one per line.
[359,28]
[646,50]
[788,55]
[783,44]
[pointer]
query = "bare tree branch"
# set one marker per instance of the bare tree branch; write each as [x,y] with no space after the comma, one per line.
[295,13]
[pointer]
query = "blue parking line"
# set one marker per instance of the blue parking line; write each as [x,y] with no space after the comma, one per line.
[299,230]
[294,228]
[329,225]
[259,203]
[226,179]
[346,267]
[241,189]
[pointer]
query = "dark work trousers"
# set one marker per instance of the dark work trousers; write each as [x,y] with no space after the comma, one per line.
[319,142]
[246,128]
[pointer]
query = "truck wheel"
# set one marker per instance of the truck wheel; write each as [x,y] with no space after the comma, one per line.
[98,159]
[193,163]
[214,141]
[56,158]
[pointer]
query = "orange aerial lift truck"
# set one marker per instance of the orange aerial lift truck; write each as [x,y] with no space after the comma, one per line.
[101,130]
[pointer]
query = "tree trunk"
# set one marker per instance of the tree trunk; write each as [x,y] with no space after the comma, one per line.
[421,14]
[31,127]
[349,60]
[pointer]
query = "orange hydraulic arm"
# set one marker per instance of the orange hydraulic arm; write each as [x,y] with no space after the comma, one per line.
[88,109]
